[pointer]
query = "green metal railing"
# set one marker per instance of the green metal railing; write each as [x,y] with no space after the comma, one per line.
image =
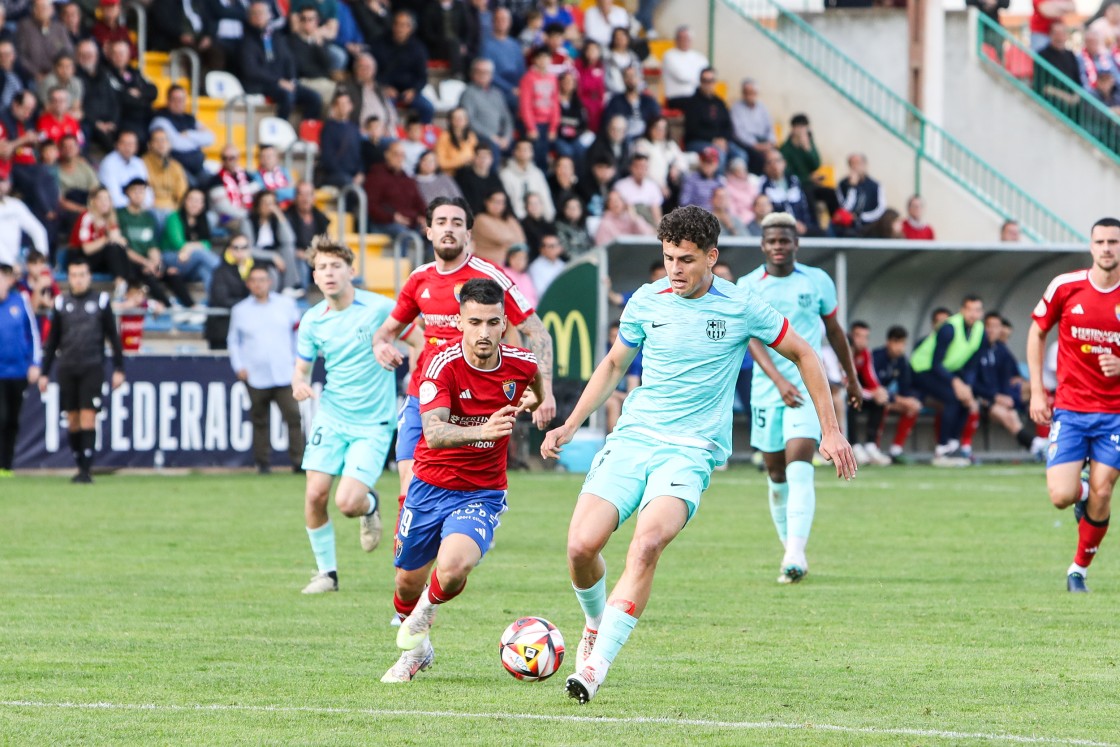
[930,143]
[1069,101]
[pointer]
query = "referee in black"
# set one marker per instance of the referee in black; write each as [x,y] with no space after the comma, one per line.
[81,322]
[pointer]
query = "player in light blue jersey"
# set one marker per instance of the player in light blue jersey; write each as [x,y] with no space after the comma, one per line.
[693,330]
[783,429]
[353,428]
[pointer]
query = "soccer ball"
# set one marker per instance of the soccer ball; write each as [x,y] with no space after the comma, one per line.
[532,649]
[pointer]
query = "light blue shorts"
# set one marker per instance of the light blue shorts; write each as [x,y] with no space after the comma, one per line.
[333,453]
[631,470]
[772,427]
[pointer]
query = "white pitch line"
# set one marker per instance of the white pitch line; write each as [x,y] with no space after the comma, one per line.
[702,723]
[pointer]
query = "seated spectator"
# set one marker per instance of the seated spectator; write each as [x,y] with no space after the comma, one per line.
[307,222]
[667,162]
[516,266]
[1062,91]
[506,55]
[187,136]
[417,141]
[619,219]
[888,226]
[431,181]
[98,237]
[786,195]
[601,18]
[174,27]
[496,229]
[273,242]
[135,93]
[641,192]
[15,78]
[373,143]
[532,32]
[914,226]
[730,224]
[367,97]
[554,11]
[63,75]
[861,198]
[481,23]
[232,192]
[1108,93]
[56,120]
[273,176]
[1094,58]
[742,188]
[876,397]
[549,265]
[111,27]
[444,31]
[311,52]
[752,127]
[559,57]
[70,15]
[1045,15]
[40,37]
[185,241]
[594,190]
[612,143]
[534,224]
[76,179]
[698,185]
[521,176]
[681,67]
[340,144]
[227,288]
[100,108]
[392,197]
[403,64]
[456,145]
[1010,232]
[1106,21]
[707,122]
[15,220]
[592,72]
[329,31]
[487,109]
[892,371]
[618,59]
[479,180]
[539,109]
[33,183]
[140,230]
[373,18]
[166,175]
[571,229]
[267,66]
[997,390]
[637,106]
[122,166]
[573,118]
[761,208]
[39,285]
[563,181]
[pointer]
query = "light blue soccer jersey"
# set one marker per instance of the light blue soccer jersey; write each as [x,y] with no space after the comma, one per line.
[360,395]
[803,297]
[692,349]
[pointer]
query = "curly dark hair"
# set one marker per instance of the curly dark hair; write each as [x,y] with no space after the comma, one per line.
[690,223]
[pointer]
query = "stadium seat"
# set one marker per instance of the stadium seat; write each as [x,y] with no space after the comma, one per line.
[277,132]
[450,91]
[310,130]
[226,86]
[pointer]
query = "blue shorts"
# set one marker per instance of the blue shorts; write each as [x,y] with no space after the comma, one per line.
[409,428]
[430,514]
[335,453]
[772,427]
[1076,435]
[631,470]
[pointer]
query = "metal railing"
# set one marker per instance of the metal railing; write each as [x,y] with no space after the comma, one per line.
[1070,102]
[196,73]
[305,149]
[250,121]
[929,142]
[141,32]
[363,222]
[399,242]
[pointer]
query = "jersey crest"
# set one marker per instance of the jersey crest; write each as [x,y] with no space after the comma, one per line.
[717,328]
[509,386]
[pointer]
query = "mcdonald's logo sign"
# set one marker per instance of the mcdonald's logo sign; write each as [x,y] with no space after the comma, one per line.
[562,331]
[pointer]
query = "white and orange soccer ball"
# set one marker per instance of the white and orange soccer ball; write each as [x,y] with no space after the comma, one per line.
[532,649]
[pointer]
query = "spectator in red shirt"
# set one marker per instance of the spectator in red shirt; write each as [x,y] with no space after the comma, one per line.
[233,190]
[914,226]
[540,106]
[1046,12]
[394,200]
[56,122]
[112,28]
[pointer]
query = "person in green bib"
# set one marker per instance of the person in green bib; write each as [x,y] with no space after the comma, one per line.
[944,367]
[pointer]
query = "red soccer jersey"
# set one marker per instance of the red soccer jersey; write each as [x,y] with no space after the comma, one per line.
[472,395]
[54,129]
[1088,320]
[865,369]
[435,296]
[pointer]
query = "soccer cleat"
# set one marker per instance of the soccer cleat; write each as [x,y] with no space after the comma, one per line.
[322,582]
[82,478]
[396,621]
[901,459]
[414,628]
[411,662]
[586,644]
[955,458]
[370,535]
[583,684]
[875,456]
[1079,510]
[1038,448]
[794,569]
[1075,582]
[861,455]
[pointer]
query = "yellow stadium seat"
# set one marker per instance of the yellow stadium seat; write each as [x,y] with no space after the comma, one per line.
[721,90]
[658,47]
[827,173]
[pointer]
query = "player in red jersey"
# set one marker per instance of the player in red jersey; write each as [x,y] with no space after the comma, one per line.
[432,292]
[470,394]
[1085,423]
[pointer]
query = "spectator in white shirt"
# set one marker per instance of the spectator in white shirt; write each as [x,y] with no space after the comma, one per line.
[752,127]
[16,218]
[548,266]
[521,177]
[122,166]
[599,19]
[680,69]
[640,191]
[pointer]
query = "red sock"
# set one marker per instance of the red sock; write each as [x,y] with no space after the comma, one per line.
[437,594]
[1089,536]
[404,608]
[905,425]
[970,427]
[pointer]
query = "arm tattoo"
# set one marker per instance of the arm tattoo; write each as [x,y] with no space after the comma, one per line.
[443,435]
[539,341]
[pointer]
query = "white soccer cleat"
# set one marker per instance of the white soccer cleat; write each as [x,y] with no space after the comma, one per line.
[875,456]
[320,583]
[861,455]
[414,628]
[794,568]
[410,663]
[586,644]
[370,535]
[584,684]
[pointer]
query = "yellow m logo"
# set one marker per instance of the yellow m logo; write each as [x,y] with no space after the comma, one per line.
[561,331]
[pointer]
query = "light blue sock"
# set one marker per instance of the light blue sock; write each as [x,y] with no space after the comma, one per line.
[322,544]
[778,493]
[593,600]
[802,502]
[613,632]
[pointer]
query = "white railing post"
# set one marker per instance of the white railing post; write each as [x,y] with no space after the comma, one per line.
[196,73]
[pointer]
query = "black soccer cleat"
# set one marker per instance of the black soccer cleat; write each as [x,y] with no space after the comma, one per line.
[1075,582]
[577,690]
[1079,511]
[82,478]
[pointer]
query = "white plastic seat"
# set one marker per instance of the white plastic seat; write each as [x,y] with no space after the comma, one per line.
[278,132]
[450,91]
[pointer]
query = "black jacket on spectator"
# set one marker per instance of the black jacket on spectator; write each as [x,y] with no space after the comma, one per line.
[305,232]
[444,30]
[371,153]
[705,118]
[340,152]
[226,289]
[372,26]
[170,23]
[475,188]
[135,95]
[402,66]
[535,230]
[573,119]
[602,149]
[312,60]
[259,70]
[647,109]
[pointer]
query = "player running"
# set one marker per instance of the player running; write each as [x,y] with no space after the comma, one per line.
[692,329]
[470,394]
[781,428]
[432,292]
[1085,422]
[353,428]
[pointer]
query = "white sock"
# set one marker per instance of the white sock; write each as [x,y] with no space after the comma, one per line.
[795,547]
[1084,490]
[895,449]
[1075,568]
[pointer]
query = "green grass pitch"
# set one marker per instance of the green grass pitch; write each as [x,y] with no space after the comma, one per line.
[166,610]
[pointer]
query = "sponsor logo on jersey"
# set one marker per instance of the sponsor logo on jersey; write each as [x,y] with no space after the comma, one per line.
[509,387]
[442,320]
[717,328]
[1090,334]
[1088,349]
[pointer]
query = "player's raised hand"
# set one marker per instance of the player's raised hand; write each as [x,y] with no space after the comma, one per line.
[544,414]
[1040,408]
[1110,364]
[791,395]
[500,423]
[388,355]
[301,390]
[554,440]
[837,450]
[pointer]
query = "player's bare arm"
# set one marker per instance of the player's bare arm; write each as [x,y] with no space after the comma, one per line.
[791,395]
[441,434]
[301,381]
[838,340]
[384,347]
[537,339]
[1036,349]
[834,446]
[534,394]
[599,388]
